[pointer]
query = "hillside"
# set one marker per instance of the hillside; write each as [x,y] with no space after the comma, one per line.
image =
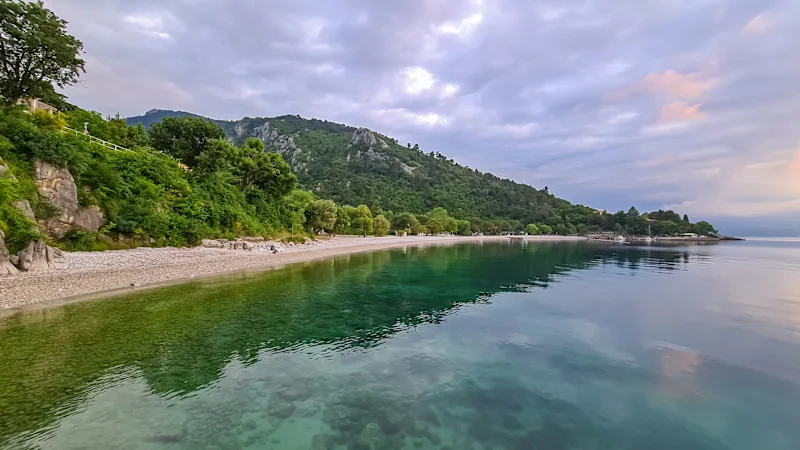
[358,166]
[156,115]
[355,166]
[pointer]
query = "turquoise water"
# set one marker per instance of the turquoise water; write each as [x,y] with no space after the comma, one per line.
[479,346]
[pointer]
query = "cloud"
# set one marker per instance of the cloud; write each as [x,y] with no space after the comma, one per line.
[465,26]
[600,101]
[794,165]
[418,79]
[674,84]
[680,111]
[759,24]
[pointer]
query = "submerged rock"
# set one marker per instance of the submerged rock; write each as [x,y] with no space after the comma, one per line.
[6,265]
[38,256]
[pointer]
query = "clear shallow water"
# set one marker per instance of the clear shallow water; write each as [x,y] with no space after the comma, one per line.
[494,346]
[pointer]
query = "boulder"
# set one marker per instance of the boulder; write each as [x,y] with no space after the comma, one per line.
[6,264]
[24,207]
[38,256]
[57,186]
[89,218]
[212,243]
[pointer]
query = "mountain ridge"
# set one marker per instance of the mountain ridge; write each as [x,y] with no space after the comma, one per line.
[355,166]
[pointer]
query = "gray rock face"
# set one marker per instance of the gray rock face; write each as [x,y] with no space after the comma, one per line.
[90,218]
[57,186]
[364,136]
[24,206]
[38,256]
[5,171]
[284,145]
[6,265]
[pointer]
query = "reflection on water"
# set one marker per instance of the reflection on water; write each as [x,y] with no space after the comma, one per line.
[484,346]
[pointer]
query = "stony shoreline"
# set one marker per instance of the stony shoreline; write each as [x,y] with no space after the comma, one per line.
[118,271]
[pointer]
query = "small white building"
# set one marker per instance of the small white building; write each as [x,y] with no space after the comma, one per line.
[37,105]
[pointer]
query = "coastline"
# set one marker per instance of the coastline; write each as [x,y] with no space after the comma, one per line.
[105,274]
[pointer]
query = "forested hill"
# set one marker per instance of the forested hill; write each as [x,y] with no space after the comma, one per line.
[358,166]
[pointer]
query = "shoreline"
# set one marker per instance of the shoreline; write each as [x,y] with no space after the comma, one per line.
[94,275]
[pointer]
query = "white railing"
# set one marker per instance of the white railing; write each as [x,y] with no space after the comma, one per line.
[98,141]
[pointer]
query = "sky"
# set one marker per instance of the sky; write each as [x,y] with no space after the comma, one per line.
[692,105]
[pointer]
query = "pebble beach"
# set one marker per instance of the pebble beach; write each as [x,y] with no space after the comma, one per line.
[118,271]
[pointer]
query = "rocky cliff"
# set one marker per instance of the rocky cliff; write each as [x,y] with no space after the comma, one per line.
[57,186]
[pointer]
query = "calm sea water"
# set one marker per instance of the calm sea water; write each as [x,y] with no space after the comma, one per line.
[493,346]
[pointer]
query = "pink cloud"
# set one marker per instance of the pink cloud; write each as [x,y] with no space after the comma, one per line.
[679,112]
[686,86]
[757,25]
[794,165]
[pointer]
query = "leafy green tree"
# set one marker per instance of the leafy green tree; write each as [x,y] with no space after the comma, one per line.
[704,228]
[36,51]
[404,221]
[440,222]
[531,229]
[267,171]
[218,156]
[184,138]
[463,228]
[361,220]
[298,203]
[545,229]
[381,225]
[323,215]
[344,216]
[561,229]
[686,218]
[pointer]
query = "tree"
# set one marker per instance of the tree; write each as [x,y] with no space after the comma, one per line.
[381,225]
[404,221]
[463,228]
[323,215]
[298,204]
[704,228]
[686,218]
[184,138]
[440,222]
[265,170]
[361,220]
[531,229]
[343,219]
[561,229]
[545,229]
[36,51]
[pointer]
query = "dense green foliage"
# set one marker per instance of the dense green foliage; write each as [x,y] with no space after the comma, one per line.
[147,197]
[36,51]
[401,181]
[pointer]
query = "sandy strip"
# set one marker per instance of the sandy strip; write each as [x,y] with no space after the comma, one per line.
[119,271]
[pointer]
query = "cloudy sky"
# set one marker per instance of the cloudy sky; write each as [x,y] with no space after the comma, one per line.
[686,104]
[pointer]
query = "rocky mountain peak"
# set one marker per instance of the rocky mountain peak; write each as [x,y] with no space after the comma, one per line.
[366,137]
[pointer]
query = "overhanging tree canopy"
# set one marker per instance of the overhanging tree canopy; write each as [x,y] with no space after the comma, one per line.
[36,52]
